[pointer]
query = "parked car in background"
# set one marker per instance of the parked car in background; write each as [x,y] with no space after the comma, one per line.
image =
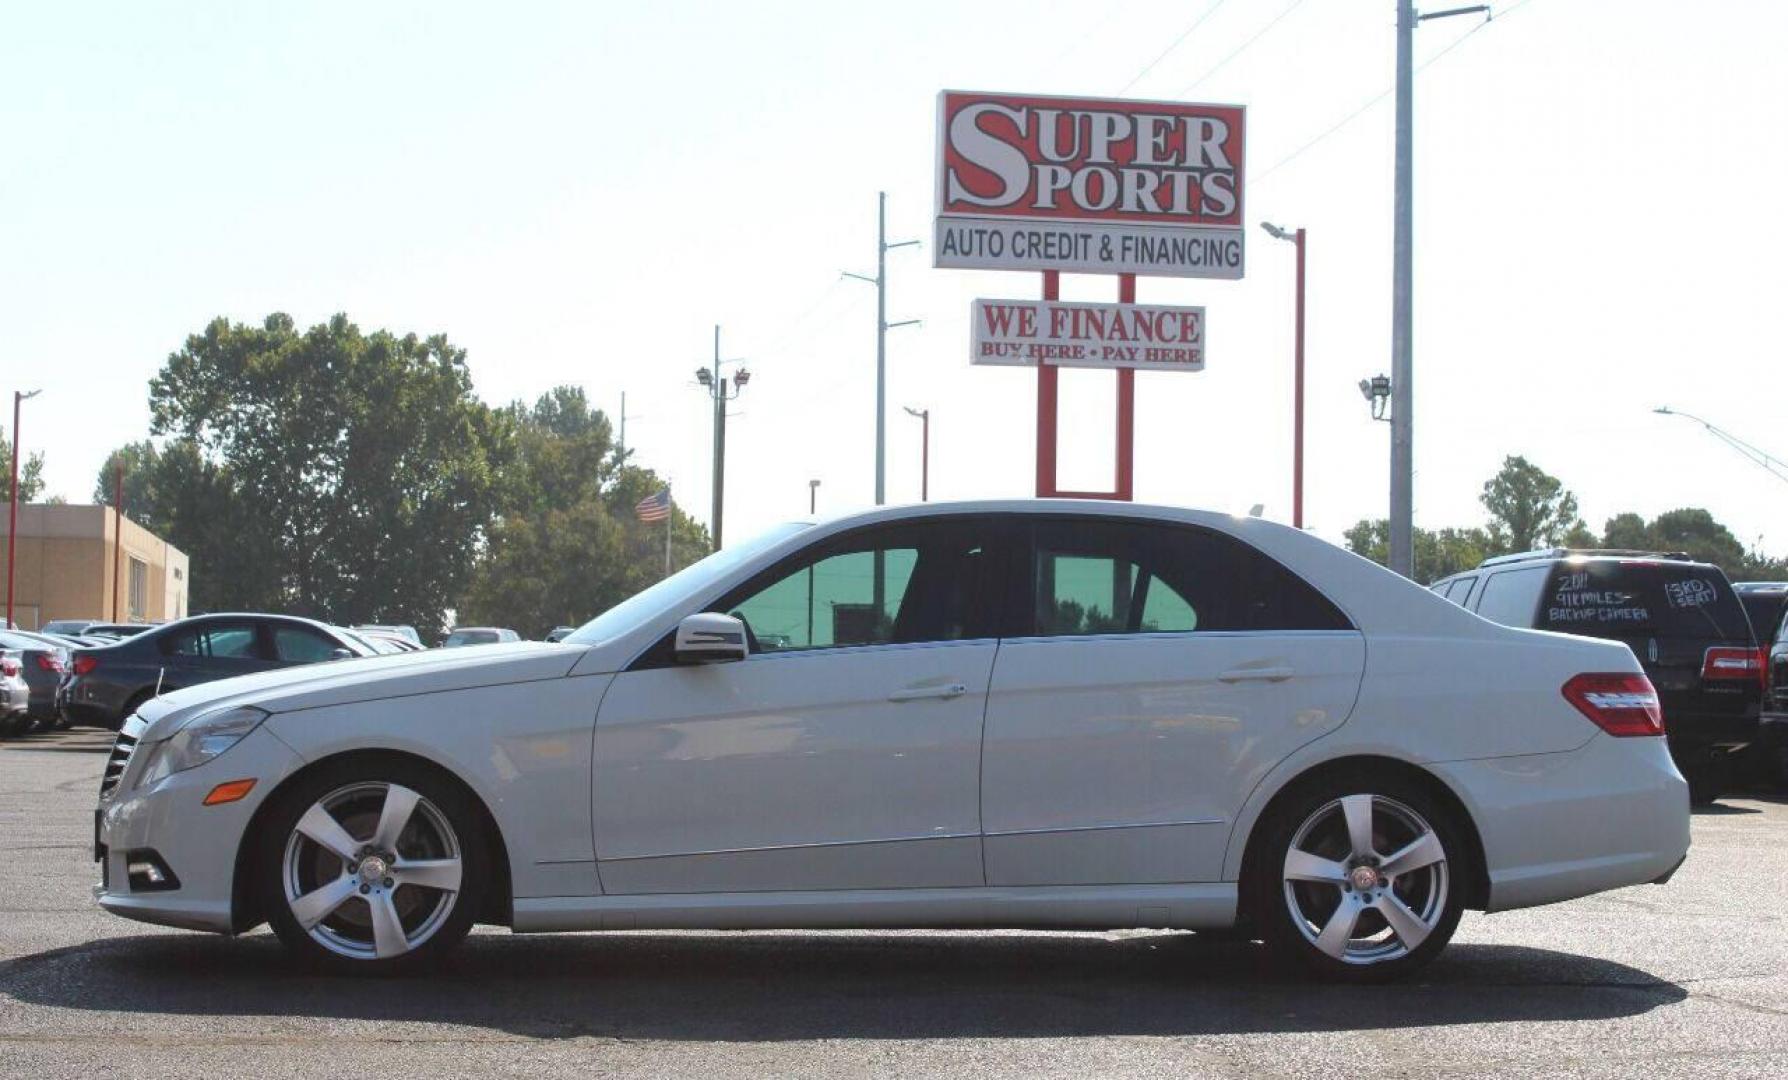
[109,683]
[382,644]
[1764,603]
[1681,618]
[43,662]
[115,631]
[388,642]
[69,626]
[401,630]
[560,633]
[15,695]
[1027,714]
[478,635]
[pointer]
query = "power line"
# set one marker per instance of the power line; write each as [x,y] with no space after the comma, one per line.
[1242,48]
[1184,34]
[1381,95]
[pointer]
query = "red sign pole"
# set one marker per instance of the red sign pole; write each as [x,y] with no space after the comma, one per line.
[1126,410]
[1046,401]
[1124,487]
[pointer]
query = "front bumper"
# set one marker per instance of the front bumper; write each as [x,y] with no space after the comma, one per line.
[1612,813]
[197,842]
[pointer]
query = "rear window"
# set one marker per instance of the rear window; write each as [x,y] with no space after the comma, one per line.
[1654,599]
[1765,609]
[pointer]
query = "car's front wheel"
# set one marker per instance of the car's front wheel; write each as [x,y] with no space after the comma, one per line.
[372,866]
[1357,877]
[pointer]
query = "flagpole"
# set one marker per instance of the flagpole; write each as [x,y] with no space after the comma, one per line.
[670,519]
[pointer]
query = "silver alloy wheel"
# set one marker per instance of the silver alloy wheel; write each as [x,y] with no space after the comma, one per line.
[1366,879]
[372,870]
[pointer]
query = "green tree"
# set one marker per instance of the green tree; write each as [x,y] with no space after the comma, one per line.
[30,472]
[567,545]
[1438,553]
[1530,508]
[356,472]
[1693,531]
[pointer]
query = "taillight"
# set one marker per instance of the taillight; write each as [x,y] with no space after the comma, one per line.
[49,662]
[8,666]
[1725,664]
[85,663]
[1618,703]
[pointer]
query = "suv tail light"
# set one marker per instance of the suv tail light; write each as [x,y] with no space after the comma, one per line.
[49,662]
[85,663]
[1724,664]
[1619,703]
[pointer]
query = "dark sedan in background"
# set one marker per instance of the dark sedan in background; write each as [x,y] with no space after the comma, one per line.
[42,661]
[107,684]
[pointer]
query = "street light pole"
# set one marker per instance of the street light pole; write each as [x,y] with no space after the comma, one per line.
[716,385]
[924,416]
[1297,408]
[11,521]
[12,518]
[812,497]
[882,326]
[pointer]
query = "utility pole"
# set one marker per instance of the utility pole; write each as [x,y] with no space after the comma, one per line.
[716,385]
[924,416]
[1402,524]
[12,518]
[882,326]
[812,498]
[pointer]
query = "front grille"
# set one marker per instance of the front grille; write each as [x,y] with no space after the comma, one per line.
[122,747]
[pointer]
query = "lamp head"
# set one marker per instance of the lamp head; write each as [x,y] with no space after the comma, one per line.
[704,376]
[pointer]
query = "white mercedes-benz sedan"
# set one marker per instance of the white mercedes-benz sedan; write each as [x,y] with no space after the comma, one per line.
[1026,714]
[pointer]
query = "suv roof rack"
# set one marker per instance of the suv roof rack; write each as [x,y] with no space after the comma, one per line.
[1592,553]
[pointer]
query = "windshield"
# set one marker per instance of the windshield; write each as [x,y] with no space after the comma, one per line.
[1665,600]
[680,586]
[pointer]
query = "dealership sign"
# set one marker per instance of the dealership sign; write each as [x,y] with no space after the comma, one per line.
[1026,333]
[1089,185]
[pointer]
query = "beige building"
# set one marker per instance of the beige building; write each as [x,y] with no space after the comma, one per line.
[69,557]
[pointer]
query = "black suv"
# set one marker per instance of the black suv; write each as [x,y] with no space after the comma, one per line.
[1681,619]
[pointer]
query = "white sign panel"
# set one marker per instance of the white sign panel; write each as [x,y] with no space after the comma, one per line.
[1025,333]
[1089,185]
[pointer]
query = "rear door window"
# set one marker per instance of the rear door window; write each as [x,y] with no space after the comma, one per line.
[1510,596]
[1105,577]
[1661,600]
[236,640]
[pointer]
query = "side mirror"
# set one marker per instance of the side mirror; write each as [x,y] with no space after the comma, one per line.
[708,637]
[342,654]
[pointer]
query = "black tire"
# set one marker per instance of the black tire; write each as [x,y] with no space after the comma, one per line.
[1286,914]
[349,925]
[1706,784]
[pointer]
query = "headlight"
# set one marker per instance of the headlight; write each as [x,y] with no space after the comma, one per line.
[199,740]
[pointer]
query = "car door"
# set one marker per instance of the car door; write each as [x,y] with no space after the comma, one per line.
[213,649]
[843,753]
[1164,671]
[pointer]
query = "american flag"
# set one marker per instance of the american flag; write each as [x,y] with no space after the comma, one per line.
[654,507]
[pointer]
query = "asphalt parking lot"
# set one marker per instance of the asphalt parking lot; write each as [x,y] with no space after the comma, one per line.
[1686,979]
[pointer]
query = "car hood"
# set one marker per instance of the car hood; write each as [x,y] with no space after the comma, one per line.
[371,678]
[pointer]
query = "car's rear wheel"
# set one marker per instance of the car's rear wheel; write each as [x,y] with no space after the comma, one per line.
[371,867]
[1357,877]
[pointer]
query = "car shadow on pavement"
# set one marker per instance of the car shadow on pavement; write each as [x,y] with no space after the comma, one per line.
[784,986]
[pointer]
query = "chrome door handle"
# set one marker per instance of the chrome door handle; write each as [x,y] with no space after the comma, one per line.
[1257,674]
[921,693]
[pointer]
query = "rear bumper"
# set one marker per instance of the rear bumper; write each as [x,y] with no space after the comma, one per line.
[1772,730]
[1612,813]
[1691,736]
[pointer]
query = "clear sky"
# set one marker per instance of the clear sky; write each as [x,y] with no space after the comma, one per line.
[578,192]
